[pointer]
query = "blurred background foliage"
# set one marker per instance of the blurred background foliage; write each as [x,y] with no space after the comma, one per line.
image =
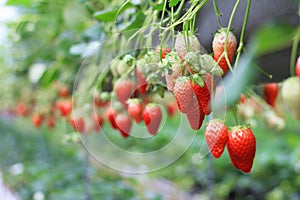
[49,38]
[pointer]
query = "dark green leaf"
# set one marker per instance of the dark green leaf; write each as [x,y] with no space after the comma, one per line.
[137,22]
[273,37]
[173,3]
[158,7]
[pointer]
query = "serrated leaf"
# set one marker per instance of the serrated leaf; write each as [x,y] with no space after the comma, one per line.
[173,3]
[158,7]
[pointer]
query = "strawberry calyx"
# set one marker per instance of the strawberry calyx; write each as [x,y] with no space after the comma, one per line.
[239,127]
[133,101]
[196,78]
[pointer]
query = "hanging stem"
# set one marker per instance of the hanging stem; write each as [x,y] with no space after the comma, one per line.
[86,179]
[241,44]
[294,52]
[218,13]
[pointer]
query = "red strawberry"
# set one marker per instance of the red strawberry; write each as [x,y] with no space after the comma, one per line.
[97,121]
[243,99]
[218,48]
[164,51]
[135,109]
[176,66]
[124,89]
[63,91]
[202,94]
[152,117]
[21,109]
[208,79]
[171,108]
[241,147]
[194,114]
[50,121]
[111,114]
[124,124]
[270,93]
[101,100]
[183,92]
[216,135]
[298,67]
[78,124]
[37,120]
[65,107]
[142,82]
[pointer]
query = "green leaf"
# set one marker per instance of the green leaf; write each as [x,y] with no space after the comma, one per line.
[173,3]
[109,15]
[26,3]
[49,76]
[273,37]
[137,22]
[158,7]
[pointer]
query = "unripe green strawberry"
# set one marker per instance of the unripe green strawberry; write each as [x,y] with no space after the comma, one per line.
[241,147]
[174,61]
[152,117]
[270,93]
[124,89]
[194,114]
[216,135]
[183,92]
[218,48]
[291,95]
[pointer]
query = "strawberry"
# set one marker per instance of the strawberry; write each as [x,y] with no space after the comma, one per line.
[141,79]
[50,121]
[218,48]
[194,114]
[124,124]
[270,93]
[101,100]
[78,124]
[297,69]
[164,51]
[291,95]
[243,99]
[186,42]
[135,109]
[241,147]
[97,121]
[63,91]
[152,117]
[216,135]
[202,94]
[65,107]
[21,109]
[37,120]
[111,114]
[171,108]
[123,89]
[176,66]
[183,92]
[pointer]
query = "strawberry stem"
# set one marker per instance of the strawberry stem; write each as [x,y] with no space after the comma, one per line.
[241,44]
[294,52]
[218,13]
[234,111]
